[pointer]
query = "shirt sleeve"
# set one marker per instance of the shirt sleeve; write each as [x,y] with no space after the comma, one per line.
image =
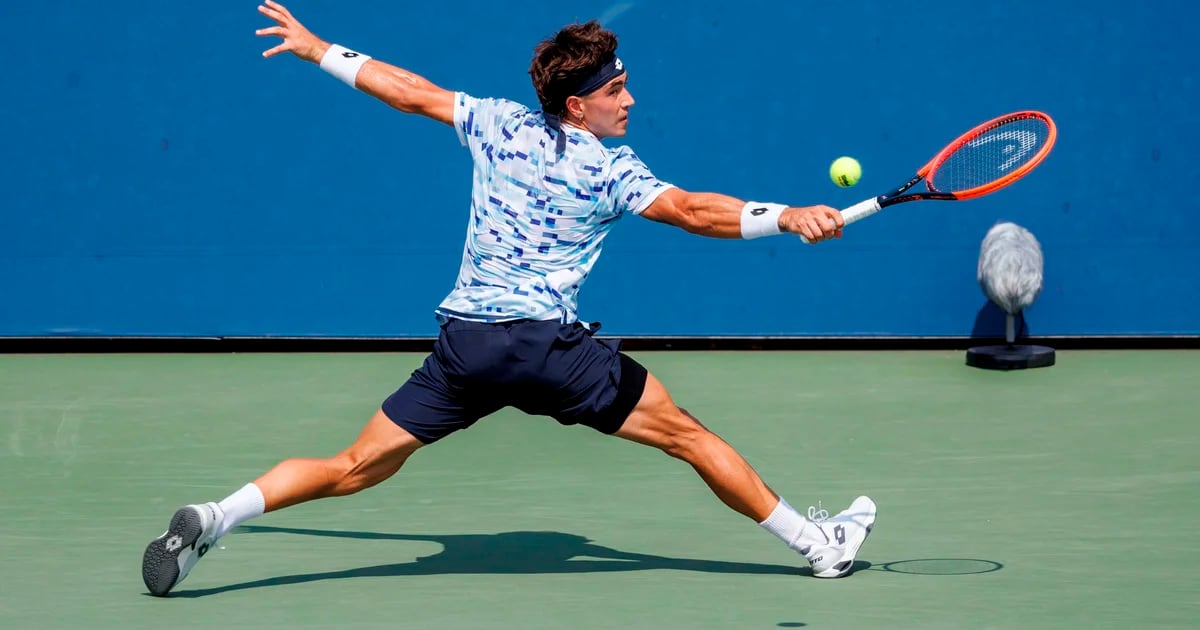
[479,120]
[633,186]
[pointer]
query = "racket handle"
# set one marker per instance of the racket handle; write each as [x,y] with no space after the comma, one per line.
[857,212]
[860,210]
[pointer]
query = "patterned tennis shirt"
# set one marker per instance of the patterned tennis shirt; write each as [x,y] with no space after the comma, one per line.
[541,206]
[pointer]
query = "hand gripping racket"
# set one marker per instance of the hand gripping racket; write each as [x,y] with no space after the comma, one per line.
[981,161]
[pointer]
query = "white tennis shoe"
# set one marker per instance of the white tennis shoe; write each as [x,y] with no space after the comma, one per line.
[844,535]
[169,558]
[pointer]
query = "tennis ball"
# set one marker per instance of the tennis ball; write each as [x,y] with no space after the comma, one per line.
[845,171]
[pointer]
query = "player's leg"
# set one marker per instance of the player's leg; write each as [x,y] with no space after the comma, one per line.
[421,412]
[426,408]
[657,421]
[830,545]
[380,450]
[589,382]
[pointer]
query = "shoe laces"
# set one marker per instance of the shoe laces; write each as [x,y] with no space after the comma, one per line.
[817,514]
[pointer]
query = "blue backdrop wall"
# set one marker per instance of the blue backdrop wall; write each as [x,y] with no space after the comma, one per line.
[161,178]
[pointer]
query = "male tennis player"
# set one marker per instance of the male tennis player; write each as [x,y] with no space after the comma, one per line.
[546,192]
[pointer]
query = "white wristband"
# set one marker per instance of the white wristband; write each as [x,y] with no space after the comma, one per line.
[761,219]
[343,63]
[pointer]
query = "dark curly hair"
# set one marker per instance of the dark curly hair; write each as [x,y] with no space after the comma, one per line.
[563,60]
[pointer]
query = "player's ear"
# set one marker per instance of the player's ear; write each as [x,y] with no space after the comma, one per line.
[574,107]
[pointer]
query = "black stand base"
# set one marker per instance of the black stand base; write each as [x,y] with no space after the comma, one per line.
[1010,357]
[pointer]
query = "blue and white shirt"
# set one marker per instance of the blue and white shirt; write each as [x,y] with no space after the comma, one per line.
[538,217]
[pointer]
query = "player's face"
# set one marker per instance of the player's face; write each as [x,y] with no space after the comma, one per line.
[606,111]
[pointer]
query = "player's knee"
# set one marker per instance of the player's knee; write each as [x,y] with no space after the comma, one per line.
[349,473]
[686,439]
[339,475]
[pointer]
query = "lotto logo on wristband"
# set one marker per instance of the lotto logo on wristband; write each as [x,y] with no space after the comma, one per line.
[761,219]
[343,63]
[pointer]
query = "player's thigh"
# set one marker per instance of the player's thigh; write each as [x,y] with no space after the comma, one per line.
[657,421]
[431,404]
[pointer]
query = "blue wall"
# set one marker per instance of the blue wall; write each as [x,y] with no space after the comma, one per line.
[161,178]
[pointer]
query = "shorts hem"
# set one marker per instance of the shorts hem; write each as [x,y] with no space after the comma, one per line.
[421,436]
[629,394]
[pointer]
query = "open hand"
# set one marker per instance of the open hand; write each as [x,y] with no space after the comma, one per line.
[296,39]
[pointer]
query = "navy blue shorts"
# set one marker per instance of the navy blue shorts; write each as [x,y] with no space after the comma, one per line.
[544,368]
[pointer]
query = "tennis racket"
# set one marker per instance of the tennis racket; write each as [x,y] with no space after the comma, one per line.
[981,161]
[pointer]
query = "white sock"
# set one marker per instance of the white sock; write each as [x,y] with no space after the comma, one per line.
[240,507]
[793,528]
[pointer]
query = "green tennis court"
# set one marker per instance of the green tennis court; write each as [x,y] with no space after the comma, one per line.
[1058,497]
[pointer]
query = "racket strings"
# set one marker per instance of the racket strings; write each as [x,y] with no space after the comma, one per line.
[991,156]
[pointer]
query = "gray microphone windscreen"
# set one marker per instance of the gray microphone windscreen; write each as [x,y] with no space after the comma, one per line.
[1010,267]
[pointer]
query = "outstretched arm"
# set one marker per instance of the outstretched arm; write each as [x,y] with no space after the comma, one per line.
[399,88]
[722,216]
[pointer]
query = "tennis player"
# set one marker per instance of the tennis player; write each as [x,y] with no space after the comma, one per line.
[546,192]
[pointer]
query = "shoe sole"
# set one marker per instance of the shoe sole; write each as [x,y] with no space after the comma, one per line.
[843,567]
[160,563]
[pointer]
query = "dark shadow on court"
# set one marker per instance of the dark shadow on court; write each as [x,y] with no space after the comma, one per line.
[503,553]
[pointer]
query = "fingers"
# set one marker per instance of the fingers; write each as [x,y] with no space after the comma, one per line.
[831,227]
[807,234]
[831,222]
[834,215]
[276,11]
[815,232]
[819,223]
[273,14]
[278,7]
[282,18]
[284,47]
[282,9]
[814,223]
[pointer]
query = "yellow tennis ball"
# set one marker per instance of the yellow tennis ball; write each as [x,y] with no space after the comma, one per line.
[845,171]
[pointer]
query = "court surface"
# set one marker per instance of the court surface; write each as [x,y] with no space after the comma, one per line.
[1062,497]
